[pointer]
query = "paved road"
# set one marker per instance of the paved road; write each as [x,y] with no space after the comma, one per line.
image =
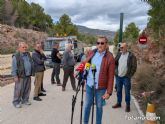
[56,107]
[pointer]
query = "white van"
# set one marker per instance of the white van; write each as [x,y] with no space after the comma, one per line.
[63,41]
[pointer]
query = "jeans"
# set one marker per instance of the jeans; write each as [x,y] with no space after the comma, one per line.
[22,90]
[56,72]
[89,101]
[126,81]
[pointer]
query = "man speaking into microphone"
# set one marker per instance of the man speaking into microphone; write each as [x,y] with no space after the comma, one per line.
[103,80]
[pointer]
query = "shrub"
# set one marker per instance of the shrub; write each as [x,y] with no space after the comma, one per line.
[145,78]
[7,50]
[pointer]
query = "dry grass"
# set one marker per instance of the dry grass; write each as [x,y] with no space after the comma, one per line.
[146,79]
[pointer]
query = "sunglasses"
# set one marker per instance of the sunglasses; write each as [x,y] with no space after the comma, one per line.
[102,43]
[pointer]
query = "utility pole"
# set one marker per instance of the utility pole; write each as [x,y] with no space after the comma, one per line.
[121,27]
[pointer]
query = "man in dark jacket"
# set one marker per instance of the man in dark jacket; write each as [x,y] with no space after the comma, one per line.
[126,65]
[39,68]
[22,68]
[104,78]
[56,59]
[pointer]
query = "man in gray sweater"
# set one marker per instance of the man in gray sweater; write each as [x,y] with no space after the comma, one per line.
[68,62]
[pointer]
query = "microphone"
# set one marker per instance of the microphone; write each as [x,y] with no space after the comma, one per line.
[80,69]
[93,70]
[87,67]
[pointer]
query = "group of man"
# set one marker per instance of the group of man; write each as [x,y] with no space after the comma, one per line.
[122,67]
[25,65]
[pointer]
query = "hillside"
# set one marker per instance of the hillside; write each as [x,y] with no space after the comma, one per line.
[11,36]
[150,75]
[86,30]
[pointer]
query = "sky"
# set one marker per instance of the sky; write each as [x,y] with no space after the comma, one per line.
[98,14]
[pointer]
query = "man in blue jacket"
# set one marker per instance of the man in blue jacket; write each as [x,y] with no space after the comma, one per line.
[22,68]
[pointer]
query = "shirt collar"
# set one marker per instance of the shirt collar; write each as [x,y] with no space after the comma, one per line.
[102,53]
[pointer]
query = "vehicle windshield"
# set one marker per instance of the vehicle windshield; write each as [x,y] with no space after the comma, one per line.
[62,45]
[48,44]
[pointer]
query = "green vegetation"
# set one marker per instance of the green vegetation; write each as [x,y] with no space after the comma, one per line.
[157,19]
[2,3]
[22,14]
[64,27]
[86,38]
[131,33]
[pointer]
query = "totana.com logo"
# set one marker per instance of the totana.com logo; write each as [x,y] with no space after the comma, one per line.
[142,118]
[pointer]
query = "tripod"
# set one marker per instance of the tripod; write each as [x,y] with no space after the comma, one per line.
[93,96]
[80,83]
[94,89]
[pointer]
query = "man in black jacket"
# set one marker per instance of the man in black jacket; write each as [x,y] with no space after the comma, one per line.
[125,67]
[39,68]
[56,59]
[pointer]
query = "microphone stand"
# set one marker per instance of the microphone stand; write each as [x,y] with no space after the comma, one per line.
[80,82]
[94,92]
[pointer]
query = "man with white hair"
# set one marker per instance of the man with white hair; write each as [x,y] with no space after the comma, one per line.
[22,68]
[68,62]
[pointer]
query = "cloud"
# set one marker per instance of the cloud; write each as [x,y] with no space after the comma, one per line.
[104,14]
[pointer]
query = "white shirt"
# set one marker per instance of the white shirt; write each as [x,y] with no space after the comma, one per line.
[122,68]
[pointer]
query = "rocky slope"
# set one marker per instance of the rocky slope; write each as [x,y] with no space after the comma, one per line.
[11,36]
[150,75]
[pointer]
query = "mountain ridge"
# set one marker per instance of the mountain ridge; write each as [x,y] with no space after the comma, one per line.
[96,32]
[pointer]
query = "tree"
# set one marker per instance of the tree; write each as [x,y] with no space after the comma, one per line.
[65,27]
[24,10]
[131,33]
[2,4]
[157,19]
[87,38]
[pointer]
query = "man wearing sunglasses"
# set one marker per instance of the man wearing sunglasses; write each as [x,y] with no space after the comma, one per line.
[104,77]
[125,68]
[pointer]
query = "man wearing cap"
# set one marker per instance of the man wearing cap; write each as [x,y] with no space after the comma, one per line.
[102,60]
[125,68]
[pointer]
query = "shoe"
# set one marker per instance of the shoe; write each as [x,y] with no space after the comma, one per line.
[117,106]
[43,90]
[53,82]
[18,106]
[41,94]
[74,90]
[63,89]
[27,103]
[127,109]
[37,98]
[59,84]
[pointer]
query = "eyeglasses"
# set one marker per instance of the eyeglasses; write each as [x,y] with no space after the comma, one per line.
[102,43]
